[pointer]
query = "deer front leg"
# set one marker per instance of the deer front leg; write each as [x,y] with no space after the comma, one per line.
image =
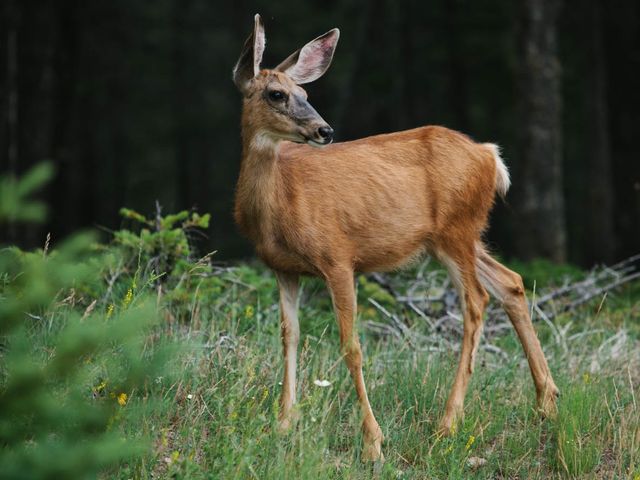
[288,287]
[341,286]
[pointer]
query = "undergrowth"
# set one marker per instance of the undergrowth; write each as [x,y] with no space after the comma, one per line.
[142,359]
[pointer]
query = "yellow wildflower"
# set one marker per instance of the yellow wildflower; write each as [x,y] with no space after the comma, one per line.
[248,311]
[99,389]
[110,310]
[122,399]
[586,378]
[470,442]
[127,298]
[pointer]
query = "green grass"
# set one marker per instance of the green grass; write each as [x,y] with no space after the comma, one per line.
[218,398]
[83,388]
[220,401]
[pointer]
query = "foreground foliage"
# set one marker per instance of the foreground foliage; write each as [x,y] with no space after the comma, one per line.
[74,360]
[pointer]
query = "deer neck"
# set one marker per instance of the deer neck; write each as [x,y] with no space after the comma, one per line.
[259,182]
[259,166]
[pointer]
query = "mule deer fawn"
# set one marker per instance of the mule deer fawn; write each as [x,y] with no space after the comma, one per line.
[373,204]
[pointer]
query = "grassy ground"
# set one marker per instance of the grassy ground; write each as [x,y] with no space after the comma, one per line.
[73,337]
[216,401]
[219,399]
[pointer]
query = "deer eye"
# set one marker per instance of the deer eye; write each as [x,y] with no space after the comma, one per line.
[276,95]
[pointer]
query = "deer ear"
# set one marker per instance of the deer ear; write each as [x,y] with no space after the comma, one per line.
[311,61]
[248,64]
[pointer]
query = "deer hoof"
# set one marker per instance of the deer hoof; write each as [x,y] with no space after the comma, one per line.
[372,449]
[372,452]
[286,421]
[449,423]
[547,403]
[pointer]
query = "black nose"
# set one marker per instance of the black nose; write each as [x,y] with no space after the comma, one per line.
[326,132]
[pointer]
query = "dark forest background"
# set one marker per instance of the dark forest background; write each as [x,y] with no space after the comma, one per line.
[133,102]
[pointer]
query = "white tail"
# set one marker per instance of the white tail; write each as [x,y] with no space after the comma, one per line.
[503,181]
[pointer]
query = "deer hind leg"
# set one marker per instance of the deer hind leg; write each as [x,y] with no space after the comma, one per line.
[507,287]
[341,287]
[288,287]
[473,299]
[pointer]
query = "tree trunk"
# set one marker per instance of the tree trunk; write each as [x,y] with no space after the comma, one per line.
[540,204]
[179,104]
[12,89]
[600,243]
[458,91]
[10,101]
[342,112]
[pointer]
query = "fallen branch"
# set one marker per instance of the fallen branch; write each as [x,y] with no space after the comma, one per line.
[430,296]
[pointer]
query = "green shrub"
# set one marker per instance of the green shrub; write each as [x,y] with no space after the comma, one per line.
[158,253]
[15,204]
[73,373]
[161,244]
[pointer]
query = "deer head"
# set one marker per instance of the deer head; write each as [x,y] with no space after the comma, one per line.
[275,105]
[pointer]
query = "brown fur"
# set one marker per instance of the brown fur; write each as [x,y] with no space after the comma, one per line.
[375,204]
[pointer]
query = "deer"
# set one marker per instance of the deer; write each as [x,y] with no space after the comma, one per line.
[312,207]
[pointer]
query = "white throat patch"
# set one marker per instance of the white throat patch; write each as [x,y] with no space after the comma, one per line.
[263,140]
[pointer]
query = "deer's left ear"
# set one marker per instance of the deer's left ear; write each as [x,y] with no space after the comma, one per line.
[311,61]
[248,64]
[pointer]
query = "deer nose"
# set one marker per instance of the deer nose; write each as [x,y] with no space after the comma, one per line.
[326,133]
